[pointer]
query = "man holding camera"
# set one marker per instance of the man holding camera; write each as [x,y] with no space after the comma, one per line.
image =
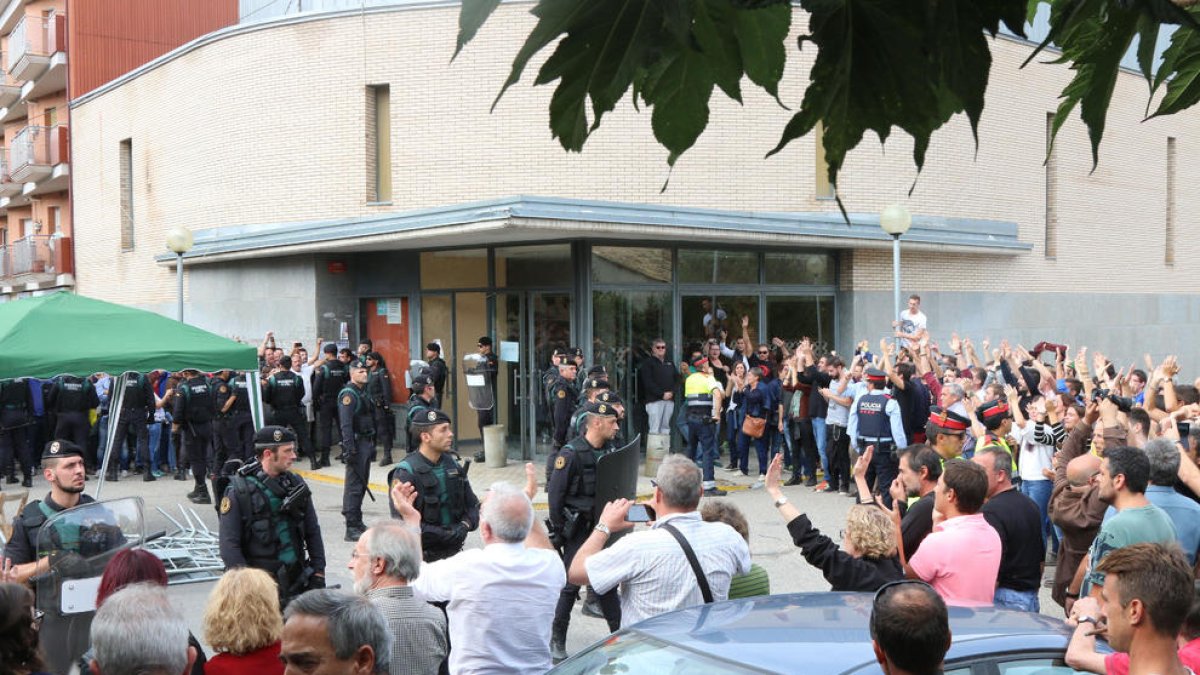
[571,493]
[268,520]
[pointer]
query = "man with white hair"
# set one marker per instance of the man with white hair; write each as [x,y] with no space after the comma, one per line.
[500,598]
[386,559]
[137,632]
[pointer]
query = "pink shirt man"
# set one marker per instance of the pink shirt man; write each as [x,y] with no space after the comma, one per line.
[960,558]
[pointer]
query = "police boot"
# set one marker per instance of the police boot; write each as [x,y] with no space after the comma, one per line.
[558,644]
[387,459]
[12,479]
[200,496]
[314,462]
[181,474]
[591,605]
[354,532]
[27,482]
[325,458]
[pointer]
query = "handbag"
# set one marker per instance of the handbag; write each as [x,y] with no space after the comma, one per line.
[754,427]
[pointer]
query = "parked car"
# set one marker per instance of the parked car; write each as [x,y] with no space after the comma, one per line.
[815,633]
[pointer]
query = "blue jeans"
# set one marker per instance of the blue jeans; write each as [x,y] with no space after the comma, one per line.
[703,448]
[818,424]
[157,451]
[1023,600]
[733,427]
[1039,491]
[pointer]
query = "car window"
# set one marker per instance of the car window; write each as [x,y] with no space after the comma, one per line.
[1035,666]
[957,671]
[636,653]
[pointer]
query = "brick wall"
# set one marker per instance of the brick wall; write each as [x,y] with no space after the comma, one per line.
[269,125]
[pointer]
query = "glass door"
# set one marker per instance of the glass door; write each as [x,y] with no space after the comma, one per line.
[549,328]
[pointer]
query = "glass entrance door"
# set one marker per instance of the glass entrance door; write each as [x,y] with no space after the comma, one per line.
[537,322]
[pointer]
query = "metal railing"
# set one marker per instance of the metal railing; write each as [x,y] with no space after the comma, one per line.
[30,146]
[33,35]
[33,254]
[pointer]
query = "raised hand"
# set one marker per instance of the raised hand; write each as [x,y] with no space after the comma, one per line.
[531,486]
[955,343]
[864,462]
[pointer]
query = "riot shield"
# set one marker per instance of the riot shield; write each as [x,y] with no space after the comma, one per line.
[77,544]
[479,386]
[617,476]
[416,367]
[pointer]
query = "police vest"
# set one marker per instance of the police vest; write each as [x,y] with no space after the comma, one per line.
[697,390]
[581,490]
[14,395]
[377,383]
[135,392]
[268,534]
[364,420]
[241,404]
[221,393]
[442,488]
[418,406]
[198,401]
[873,419]
[71,394]
[333,377]
[287,390]
[67,536]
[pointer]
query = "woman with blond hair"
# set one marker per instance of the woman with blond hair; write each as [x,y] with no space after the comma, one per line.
[868,558]
[242,623]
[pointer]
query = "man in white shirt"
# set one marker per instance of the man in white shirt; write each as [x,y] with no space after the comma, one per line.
[912,324]
[500,598]
[650,566]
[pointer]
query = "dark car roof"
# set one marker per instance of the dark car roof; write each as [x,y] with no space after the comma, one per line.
[832,631]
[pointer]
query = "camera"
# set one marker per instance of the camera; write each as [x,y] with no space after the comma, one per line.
[1123,403]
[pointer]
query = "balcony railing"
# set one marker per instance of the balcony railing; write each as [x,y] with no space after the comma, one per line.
[34,254]
[34,38]
[35,150]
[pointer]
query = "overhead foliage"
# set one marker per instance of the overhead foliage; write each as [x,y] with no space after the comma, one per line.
[879,64]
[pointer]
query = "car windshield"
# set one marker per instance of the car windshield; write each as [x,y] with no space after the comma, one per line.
[632,652]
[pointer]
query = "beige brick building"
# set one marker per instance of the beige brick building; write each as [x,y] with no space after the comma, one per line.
[328,162]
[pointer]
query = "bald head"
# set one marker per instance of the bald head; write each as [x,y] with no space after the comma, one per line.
[1081,469]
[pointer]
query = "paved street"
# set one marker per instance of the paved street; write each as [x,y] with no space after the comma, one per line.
[770,545]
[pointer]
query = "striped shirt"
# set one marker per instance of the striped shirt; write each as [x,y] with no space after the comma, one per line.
[755,582]
[653,572]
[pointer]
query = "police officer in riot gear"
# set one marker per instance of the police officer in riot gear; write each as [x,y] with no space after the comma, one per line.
[15,418]
[379,389]
[71,397]
[195,408]
[424,400]
[356,417]
[328,380]
[875,420]
[284,392]
[448,506]
[268,520]
[63,468]
[571,492]
[241,419]
[437,371]
[563,399]
[224,434]
[137,407]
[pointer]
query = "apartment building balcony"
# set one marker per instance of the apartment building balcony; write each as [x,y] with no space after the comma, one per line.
[36,261]
[38,156]
[37,47]
[8,186]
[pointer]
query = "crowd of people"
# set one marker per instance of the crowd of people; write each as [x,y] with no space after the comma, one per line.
[971,470]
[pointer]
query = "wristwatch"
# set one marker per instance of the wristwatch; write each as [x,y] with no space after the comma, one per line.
[780,502]
[1087,619]
[601,527]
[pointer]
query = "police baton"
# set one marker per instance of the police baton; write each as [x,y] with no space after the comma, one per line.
[354,468]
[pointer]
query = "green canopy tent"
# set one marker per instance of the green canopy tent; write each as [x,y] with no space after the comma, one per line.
[65,333]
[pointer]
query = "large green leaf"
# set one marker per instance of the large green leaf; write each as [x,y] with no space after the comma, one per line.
[470,19]
[680,95]
[720,45]
[1182,59]
[555,17]
[760,36]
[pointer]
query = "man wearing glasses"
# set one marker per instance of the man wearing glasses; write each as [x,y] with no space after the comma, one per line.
[659,378]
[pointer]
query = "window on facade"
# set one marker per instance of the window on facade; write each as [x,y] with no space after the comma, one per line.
[625,325]
[126,172]
[532,266]
[810,269]
[717,316]
[454,269]
[793,318]
[717,267]
[630,265]
[379,144]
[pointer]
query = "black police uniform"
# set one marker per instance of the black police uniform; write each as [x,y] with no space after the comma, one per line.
[71,398]
[136,408]
[328,380]
[874,428]
[285,394]
[356,417]
[16,416]
[563,398]
[240,421]
[379,390]
[448,506]
[571,493]
[437,375]
[195,408]
[224,436]
[270,523]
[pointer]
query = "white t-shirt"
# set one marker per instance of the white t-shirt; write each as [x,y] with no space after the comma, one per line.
[1034,456]
[911,323]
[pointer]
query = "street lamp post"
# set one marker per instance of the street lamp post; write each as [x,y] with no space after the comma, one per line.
[179,241]
[895,220]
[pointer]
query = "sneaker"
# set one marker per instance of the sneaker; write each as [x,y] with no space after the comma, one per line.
[124,473]
[758,485]
[159,474]
[820,487]
[715,492]
[730,467]
[829,488]
[201,497]
[811,482]
[794,480]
